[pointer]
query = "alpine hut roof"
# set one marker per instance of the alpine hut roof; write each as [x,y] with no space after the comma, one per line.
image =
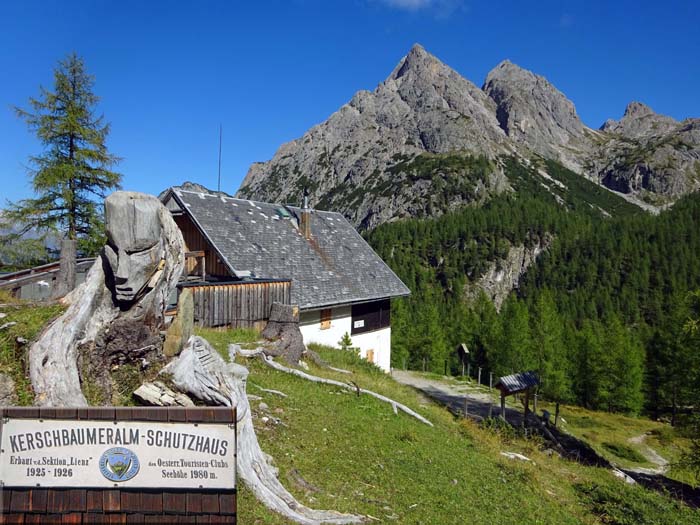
[257,239]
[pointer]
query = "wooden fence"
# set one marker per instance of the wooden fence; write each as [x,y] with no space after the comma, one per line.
[87,506]
[37,283]
[237,304]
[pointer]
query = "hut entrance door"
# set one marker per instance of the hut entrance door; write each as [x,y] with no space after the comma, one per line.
[370,355]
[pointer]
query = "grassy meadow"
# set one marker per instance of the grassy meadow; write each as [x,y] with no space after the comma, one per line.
[339,451]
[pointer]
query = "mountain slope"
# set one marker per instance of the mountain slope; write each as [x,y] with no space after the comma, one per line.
[352,454]
[364,160]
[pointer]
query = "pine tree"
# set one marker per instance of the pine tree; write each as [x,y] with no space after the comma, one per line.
[623,378]
[345,342]
[590,366]
[515,352]
[74,167]
[487,334]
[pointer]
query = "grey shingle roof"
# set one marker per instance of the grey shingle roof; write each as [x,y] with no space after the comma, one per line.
[517,382]
[335,267]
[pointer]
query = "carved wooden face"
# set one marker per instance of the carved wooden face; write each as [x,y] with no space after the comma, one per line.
[134,247]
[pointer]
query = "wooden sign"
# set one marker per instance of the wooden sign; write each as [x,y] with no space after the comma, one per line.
[129,454]
[92,497]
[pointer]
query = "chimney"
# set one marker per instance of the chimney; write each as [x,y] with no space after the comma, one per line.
[305,219]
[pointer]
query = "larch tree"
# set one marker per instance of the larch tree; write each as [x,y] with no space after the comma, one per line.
[74,167]
[690,459]
[550,350]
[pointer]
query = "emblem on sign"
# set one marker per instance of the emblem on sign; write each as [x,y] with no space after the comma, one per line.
[119,464]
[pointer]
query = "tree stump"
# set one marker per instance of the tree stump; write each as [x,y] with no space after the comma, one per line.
[130,283]
[202,373]
[283,327]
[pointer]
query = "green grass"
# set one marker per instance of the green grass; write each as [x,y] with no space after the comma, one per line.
[365,459]
[615,505]
[220,339]
[608,433]
[30,319]
[624,452]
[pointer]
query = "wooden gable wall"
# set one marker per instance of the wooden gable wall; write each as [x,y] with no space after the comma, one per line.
[195,241]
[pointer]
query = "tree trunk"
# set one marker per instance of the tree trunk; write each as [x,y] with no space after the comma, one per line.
[283,327]
[65,279]
[53,358]
[674,407]
[72,220]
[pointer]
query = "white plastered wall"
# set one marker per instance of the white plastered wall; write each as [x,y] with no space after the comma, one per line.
[341,322]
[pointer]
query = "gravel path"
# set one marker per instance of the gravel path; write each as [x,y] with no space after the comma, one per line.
[447,393]
[651,455]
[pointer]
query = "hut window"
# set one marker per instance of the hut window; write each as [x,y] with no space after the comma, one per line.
[325,319]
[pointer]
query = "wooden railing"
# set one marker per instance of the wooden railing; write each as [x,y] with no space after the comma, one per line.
[16,280]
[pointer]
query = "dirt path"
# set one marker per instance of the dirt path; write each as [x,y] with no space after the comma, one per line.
[651,455]
[480,402]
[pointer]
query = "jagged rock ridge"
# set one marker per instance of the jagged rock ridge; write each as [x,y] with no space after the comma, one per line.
[427,140]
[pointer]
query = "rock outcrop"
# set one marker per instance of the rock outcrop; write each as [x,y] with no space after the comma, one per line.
[352,162]
[640,122]
[8,394]
[503,276]
[649,156]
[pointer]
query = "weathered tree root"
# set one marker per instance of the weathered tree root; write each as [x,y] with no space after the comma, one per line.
[235,349]
[394,404]
[201,372]
[319,362]
[269,390]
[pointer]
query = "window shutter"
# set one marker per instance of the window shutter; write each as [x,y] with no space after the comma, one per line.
[325,319]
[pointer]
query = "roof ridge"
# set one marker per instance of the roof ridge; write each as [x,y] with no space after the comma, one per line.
[277,204]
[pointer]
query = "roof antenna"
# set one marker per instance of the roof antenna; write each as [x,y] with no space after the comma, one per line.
[305,199]
[305,216]
[218,188]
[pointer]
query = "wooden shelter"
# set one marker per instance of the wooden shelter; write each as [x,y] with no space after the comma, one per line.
[515,384]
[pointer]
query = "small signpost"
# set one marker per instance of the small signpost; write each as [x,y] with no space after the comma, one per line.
[140,456]
[463,353]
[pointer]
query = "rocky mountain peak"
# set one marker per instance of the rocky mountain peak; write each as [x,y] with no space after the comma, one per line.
[533,112]
[385,153]
[640,121]
[417,59]
[423,107]
[637,109]
[506,67]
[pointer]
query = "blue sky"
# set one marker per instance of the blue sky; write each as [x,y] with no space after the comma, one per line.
[169,72]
